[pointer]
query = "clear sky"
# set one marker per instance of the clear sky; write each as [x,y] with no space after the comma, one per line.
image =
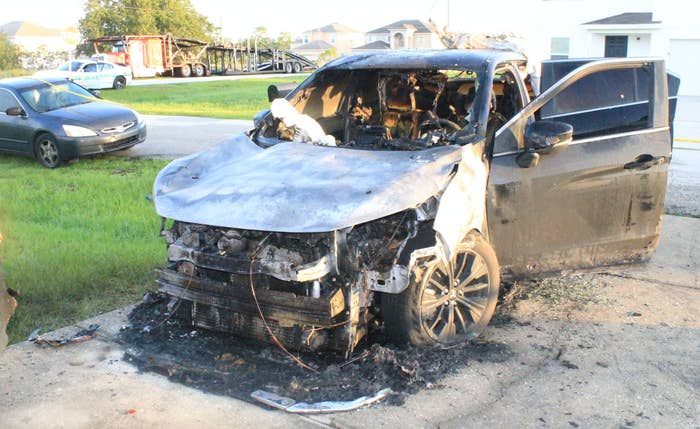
[238,19]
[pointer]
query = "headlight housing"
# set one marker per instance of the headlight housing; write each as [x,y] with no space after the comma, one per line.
[139,118]
[76,131]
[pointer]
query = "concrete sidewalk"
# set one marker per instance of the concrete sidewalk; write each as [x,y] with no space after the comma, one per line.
[631,358]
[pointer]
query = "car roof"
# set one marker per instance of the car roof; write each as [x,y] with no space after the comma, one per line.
[19,83]
[444,59]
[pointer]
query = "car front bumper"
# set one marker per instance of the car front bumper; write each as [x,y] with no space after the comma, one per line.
[74,147]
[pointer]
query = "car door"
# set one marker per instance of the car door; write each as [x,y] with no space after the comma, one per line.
[87,76]
[14,130]
[107,74]
[599,199]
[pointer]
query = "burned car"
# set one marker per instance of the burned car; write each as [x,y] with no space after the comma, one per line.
[399,188]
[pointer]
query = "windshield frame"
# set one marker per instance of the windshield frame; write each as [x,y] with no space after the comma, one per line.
[298,98]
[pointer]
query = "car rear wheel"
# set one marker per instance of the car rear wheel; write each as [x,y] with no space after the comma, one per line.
[119,82]
[446,303]
[46,151]
[199,70]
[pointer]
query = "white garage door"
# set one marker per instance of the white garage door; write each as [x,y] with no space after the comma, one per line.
[683,61]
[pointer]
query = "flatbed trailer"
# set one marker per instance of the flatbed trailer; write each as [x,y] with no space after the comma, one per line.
[234,60]
[158,55]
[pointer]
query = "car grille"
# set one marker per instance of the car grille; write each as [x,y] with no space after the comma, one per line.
[119,128]
[125,141]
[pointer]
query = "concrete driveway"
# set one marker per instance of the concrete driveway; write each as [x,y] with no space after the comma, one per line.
[621,350]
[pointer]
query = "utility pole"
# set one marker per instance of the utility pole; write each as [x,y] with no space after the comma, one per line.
[448,13]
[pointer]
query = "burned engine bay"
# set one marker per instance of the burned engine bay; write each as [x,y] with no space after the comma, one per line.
[314,291]
[381,109]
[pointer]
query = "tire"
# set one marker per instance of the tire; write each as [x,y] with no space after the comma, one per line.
[199,70]
[184,71]
[297,67]
[434,309]
[119,82]
[46,151]
[288,68]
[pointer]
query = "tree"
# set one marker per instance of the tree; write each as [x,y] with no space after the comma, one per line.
[122,17]
[326,56]
[9,54]
[283,41]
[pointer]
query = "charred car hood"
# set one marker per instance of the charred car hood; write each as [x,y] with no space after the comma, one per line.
[298,187]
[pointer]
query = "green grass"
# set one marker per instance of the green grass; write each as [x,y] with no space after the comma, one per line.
[78,240]
[229,99]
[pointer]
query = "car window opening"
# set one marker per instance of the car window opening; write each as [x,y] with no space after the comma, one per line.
[381,109]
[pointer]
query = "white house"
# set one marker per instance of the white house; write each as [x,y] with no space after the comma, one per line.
[404,34]
[596,28]
[31,37]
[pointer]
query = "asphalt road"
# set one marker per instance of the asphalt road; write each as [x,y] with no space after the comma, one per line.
[683,193]
[176,136]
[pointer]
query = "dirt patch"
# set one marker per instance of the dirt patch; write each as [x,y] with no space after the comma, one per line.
[566,294]
[228,365]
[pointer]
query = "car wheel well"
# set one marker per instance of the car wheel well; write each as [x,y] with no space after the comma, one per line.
[35,137]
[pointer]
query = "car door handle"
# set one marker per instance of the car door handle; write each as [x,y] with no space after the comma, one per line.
[642,162]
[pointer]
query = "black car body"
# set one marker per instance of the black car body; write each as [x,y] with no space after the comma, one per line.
[56,120]
[446,176]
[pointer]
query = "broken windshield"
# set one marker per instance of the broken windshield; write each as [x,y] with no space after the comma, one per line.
[374,109]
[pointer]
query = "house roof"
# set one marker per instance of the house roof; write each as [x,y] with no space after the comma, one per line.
[316,44]
[377,44]
[409,24]
[333,28]
[627,18]
[27,29]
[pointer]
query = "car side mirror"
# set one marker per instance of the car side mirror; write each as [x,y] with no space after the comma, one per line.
[95,92]
[259,117]
[15,111]
[280,90]
[545,136]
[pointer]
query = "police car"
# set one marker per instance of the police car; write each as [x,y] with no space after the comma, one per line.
[91,74]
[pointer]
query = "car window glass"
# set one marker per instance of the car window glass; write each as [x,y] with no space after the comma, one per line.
[604,102]
[90,68]
[74,66]
[47,97]
[105,66]
[7,100]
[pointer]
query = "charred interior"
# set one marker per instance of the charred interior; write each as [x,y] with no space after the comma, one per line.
[315,290]
[392,109]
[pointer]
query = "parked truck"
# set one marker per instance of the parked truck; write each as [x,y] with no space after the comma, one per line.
[158,55]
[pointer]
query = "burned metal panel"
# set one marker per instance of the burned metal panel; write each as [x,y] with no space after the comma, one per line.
[580,207]
[275,305]
[297,187]
[462,205]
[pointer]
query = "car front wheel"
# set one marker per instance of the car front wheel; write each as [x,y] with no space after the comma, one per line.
[119,82]
[47,152]
[446,303]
